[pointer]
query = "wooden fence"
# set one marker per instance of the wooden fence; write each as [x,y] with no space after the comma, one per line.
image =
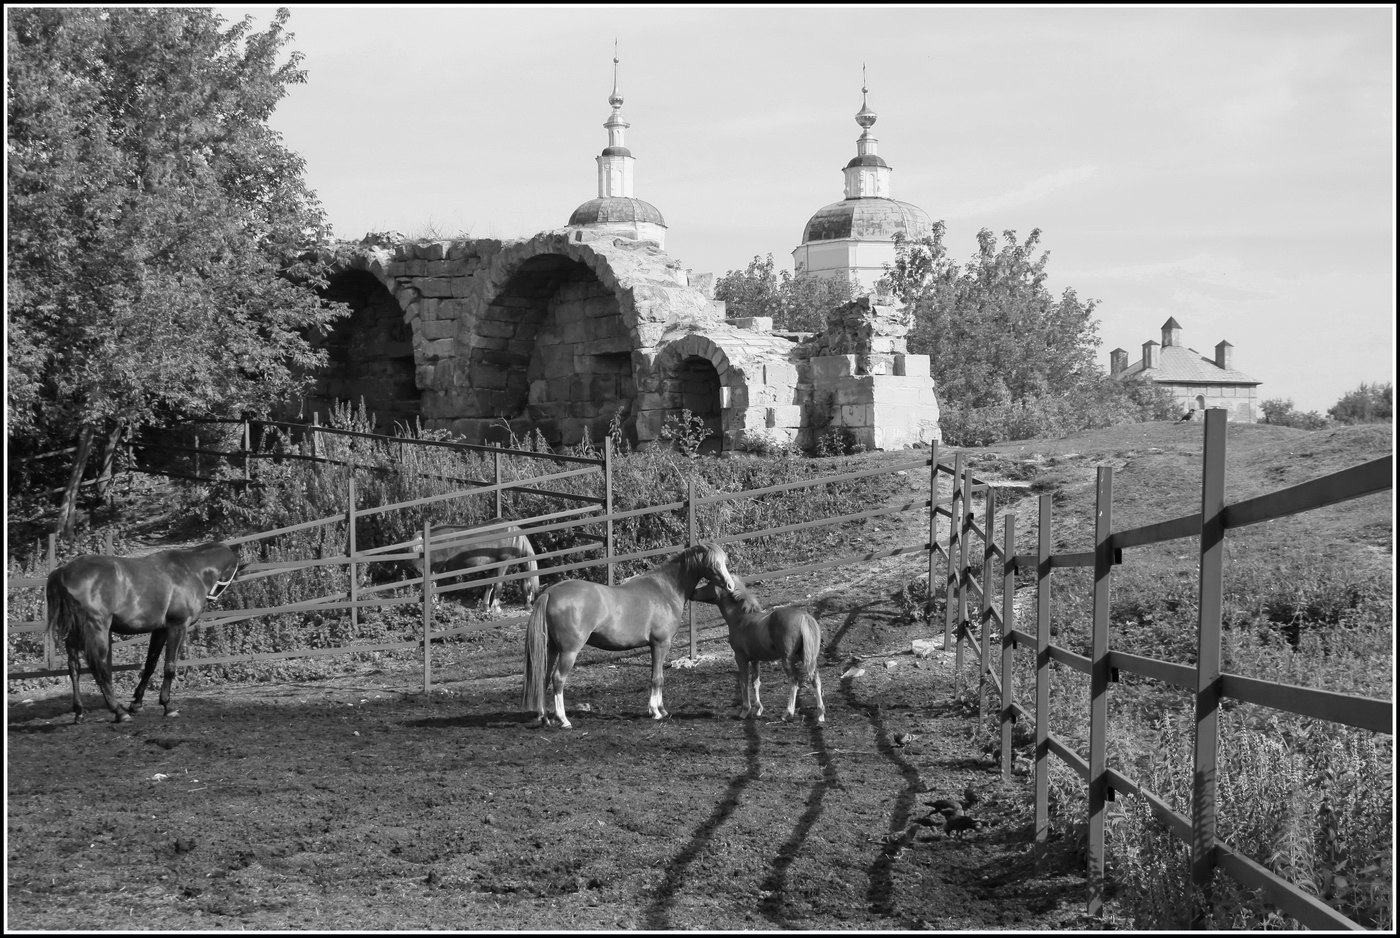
[1208,682]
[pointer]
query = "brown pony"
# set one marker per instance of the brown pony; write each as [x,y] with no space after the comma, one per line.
[787,634]
[643,610]
[92,596]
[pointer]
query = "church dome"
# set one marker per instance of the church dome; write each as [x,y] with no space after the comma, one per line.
[867,219]
[614,209]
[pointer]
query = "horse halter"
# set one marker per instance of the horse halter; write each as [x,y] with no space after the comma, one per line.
[221,585]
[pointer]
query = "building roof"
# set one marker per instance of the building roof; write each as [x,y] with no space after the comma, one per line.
[867,219]
[1181,365]
[616,209]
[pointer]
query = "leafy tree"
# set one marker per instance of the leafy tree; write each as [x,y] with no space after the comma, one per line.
[798,304]
[162,258]
[993,331]
[1369,403]
[1279,411]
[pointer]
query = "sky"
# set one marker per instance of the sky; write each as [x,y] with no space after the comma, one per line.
[1233,168]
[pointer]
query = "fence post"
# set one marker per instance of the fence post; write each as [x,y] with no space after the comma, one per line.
[315,437]
[1098,686]
[932,521]
[984,612]
[196,454]
[1042,678]
[950,604]
[964,521]
[1208,663]
[350,552]
[608,503]
[247,445]
[1008,645]
[48,635]
[427,606]
[499,498]
[690,542]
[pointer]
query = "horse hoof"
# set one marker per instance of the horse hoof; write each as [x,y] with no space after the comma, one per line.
[78,718]
[122,718]
[536,723]
[134,707]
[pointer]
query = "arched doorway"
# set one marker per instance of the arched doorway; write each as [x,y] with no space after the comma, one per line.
[698,390]
[551,351]
[369,354]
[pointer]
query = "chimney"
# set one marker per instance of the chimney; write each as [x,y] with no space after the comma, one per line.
[1151,354]
[1223,355]
[1117,362]
[1171,333]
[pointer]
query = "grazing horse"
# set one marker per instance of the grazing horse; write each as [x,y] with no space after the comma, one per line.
[787,634]
[468,553]
[642,610]
[92,596]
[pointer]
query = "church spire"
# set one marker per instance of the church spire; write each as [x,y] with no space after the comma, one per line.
[867,175]
[616,161]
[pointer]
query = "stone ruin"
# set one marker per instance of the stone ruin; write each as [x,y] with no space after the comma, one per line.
[571,330]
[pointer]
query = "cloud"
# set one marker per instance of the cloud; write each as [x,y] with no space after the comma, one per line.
[1033,191]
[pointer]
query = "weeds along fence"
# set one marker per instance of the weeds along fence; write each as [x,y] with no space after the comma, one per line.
[1206,681]
[303,554]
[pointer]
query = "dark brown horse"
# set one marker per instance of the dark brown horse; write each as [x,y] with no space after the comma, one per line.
[787,634]
[92,596]
[497,542]
[643,610]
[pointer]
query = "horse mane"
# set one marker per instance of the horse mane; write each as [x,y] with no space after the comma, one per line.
[747,601]
[700,555]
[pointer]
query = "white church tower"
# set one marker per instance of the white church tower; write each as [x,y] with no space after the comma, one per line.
[853,239]
[616,211]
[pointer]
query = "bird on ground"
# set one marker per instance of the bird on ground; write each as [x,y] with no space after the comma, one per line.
[944,806]
[959,823]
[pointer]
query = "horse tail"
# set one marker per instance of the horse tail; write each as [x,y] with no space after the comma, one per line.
[536,658]
[528,551]
[63,614]
[811,646]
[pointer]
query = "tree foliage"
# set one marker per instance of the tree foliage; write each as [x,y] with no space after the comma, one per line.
[994,332]
[1369,403]
[1279,411]
[1011,360]
[797,304]
[162,240]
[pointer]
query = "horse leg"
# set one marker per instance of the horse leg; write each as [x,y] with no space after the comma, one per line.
[756,705]
[172,655]
[100,660]
[560,672]
[794,676]
[821,704]
[655,706]
[152,655]
[741,689]
[73,670]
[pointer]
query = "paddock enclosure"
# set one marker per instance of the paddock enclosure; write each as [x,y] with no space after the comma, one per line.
[412,796]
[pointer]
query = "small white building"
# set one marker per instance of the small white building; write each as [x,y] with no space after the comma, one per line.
[1198,382]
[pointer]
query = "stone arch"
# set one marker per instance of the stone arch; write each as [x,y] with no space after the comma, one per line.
[370,353]
[554,331]
[693,373]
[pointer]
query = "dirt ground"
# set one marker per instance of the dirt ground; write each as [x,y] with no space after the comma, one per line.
[360,802]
